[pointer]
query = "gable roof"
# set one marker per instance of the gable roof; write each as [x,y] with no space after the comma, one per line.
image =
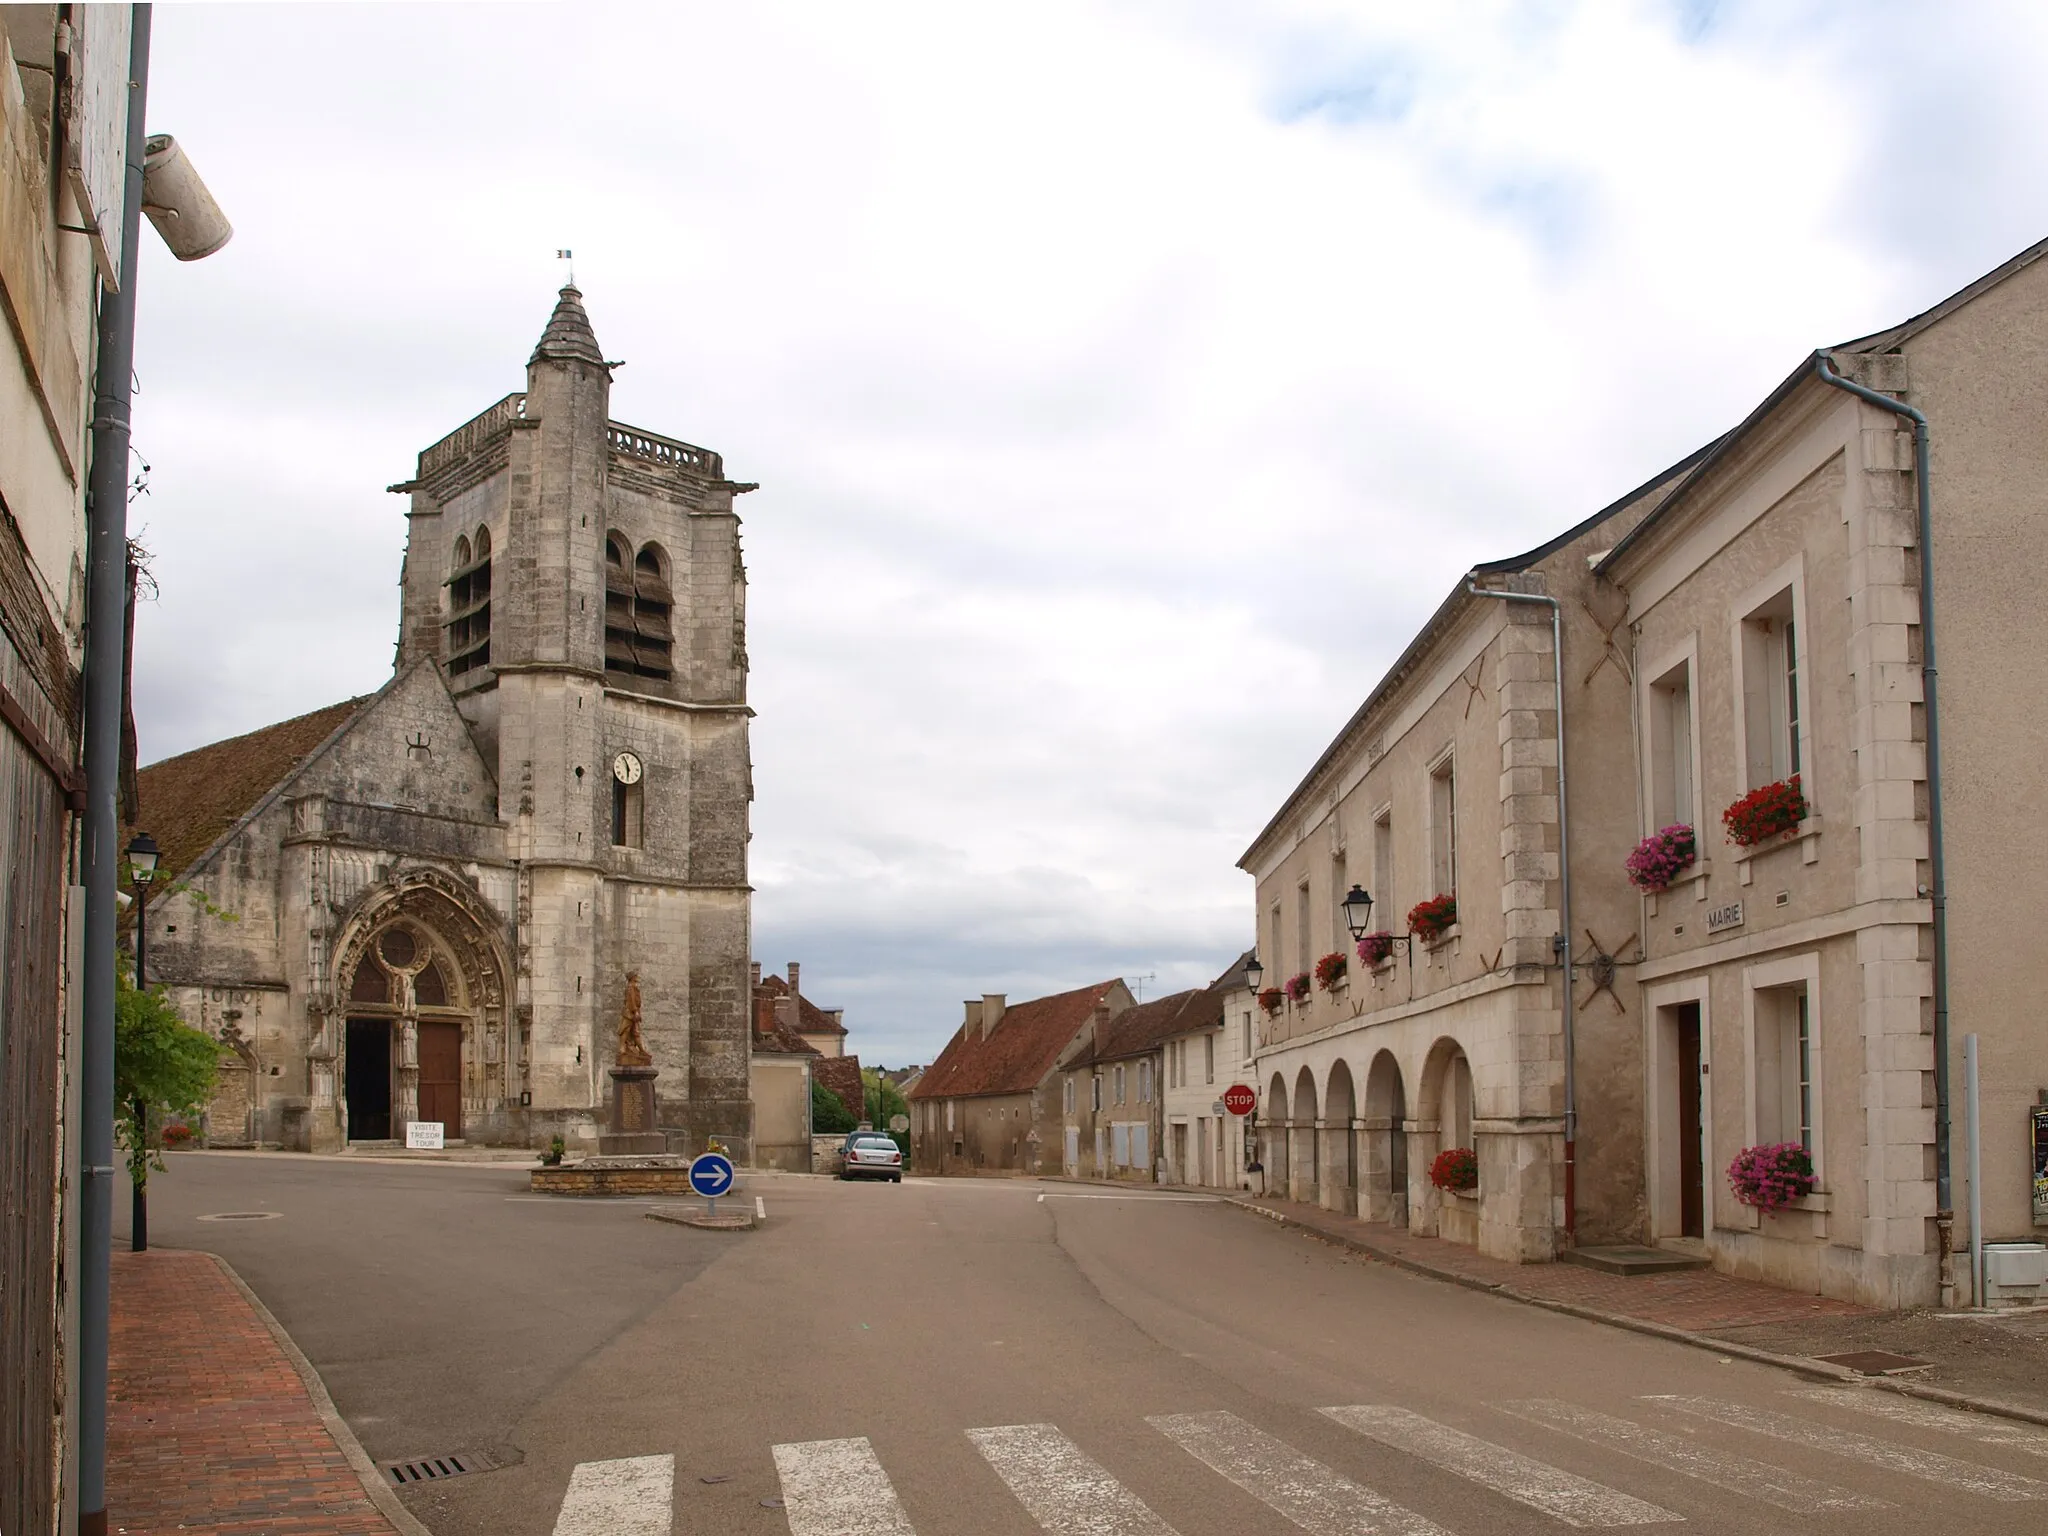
[1148,1026]
[1017,1055]
[1447,612]
[190,801]
[1708,459]
[810,1018]
[772,1037]
[842,1075]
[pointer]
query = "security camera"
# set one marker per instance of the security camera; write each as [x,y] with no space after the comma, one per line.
[178,203]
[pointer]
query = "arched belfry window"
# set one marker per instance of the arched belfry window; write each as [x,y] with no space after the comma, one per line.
[638,633]
[469,605]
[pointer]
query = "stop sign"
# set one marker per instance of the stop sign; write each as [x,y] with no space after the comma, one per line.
[1239,1100]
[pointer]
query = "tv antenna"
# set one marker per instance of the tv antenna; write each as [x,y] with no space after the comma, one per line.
[1138,983]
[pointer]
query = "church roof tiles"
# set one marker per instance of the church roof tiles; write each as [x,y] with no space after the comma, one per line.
[190,800]
[1017,1054]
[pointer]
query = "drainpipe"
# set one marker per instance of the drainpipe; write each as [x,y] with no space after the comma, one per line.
[106,604]
[1944,1191]
[1562,944]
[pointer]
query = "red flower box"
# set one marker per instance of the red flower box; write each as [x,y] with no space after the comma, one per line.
[1455,1168]
[1430,920]
[1765,812]
[1330,969]
[1772,1177]
[1272,1000]
[1374,948]
[1297,987]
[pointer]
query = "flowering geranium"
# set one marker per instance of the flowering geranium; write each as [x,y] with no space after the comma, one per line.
[1297,987]
[1428,920]
[1661,858]
[1765,813]
[1772,1177]
[1374,948]
[1272,1000]
[177,1133]
[1330,969]
[1455,1168]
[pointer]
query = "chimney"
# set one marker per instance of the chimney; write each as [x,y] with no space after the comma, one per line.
[793,969]
[992,1004]
[785,1011]
[971,1027]
[754,973]
[1099,1024]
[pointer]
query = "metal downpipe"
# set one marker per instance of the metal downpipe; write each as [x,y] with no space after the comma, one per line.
[1937,866]
[105,642]
[1564,902]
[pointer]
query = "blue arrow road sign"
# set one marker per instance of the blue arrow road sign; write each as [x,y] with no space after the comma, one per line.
[711,1175]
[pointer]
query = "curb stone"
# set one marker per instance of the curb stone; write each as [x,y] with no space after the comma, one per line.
[1816,1369]
[379,1491]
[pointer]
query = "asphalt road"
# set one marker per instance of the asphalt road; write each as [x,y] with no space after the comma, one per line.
[1005,1357]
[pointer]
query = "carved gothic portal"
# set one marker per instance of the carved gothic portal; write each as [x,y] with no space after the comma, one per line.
[419,981]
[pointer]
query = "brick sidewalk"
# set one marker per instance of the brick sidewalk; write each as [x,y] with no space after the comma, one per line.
[1697,1300]
[209,1427]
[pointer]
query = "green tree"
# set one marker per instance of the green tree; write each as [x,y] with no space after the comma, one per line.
[829,1113]
[162,1066]
[885,1101]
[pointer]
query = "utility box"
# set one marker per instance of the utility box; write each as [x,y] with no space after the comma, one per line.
[2015,1274]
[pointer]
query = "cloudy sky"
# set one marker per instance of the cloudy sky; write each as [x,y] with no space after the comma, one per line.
[1126,381]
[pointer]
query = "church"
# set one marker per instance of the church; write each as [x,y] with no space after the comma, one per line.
[425,904]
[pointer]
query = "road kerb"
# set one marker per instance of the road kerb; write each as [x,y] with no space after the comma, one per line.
[1815,1369]
[380,1492]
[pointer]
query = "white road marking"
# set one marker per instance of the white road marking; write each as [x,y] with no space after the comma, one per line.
[1574,1500]
[760,1209]
[632,1497]
[1992,1484]
[1058,1194]
[1065,1491]
[1041,1197]
[1984,1427]
[1281,1478]
[1737,1474]
[838,1488]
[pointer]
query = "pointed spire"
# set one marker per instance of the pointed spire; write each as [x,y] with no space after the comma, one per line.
[568,336]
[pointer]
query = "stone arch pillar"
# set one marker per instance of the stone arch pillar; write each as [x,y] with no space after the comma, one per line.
[1340,1149]
[1385,1143]
[1303,1165]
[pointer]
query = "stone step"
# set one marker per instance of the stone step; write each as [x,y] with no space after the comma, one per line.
[1632,1259]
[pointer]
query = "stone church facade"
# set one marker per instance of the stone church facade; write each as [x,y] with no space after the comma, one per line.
[424,904]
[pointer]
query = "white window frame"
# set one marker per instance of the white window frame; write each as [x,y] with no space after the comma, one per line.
[1304,923]
[1688,801]
[1795,971]
[1208,1058]
[1443,823]
[1119,1082]
[1798,757]
[1667,1199]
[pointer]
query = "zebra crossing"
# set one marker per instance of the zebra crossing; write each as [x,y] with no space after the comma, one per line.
[840,1487]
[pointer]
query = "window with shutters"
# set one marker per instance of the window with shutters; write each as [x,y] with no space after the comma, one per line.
[639,633]
[469,605]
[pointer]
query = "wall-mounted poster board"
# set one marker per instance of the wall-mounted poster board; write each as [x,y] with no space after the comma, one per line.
[2039,1142]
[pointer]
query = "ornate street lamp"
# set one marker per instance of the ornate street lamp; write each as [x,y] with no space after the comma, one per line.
[143,854]
[1254,973]
[1358,911]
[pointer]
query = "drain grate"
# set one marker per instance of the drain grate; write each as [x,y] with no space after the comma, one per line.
[243,1216]
[437,1469]
[1876,1362]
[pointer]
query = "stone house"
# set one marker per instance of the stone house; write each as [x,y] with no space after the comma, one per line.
[426,904]
[60,235]
[795,1043]
[991,1101]
[1110,1093]
[1777,626]
[1445,784]
[1209,1050]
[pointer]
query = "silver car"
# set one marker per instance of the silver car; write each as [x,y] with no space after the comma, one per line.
[871,1155]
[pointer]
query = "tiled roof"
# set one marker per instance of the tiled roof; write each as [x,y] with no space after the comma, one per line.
[771,1035]
[189,800]
[1016,1057]
[1149,1025]
[842,1075]
[810,1018]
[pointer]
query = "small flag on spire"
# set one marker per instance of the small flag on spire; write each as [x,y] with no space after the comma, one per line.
[563,255]
[570,257]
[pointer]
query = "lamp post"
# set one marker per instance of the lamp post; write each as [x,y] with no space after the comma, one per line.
[142,853]
[1254,973]
[1358,918]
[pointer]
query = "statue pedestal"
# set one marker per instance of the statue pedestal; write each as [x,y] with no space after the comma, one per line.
[633,1132]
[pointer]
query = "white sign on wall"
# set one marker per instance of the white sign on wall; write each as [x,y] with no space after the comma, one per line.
[423,1135]
[1722,918]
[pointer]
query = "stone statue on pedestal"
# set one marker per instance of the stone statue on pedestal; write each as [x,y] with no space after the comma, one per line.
[633,1131]
[632,1049]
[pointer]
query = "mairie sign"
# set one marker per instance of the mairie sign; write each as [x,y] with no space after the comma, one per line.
[711,1175]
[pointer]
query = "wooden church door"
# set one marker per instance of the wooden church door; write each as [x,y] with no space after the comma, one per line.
[441,1076]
